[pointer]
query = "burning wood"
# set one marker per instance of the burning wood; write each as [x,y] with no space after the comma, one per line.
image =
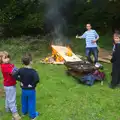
[60,54]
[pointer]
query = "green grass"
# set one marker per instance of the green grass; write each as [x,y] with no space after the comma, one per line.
[61,97]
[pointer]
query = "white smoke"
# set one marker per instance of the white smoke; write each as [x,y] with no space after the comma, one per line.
[56,19]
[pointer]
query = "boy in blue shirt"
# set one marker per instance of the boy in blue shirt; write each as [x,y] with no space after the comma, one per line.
[91,38]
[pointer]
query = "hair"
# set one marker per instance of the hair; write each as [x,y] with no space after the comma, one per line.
[117,35]
[3,53]
[89,24]
[26,59]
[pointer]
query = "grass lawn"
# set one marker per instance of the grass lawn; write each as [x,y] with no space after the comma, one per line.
[61,97]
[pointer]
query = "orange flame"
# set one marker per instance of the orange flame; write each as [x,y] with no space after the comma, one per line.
[56,57]
[69,51]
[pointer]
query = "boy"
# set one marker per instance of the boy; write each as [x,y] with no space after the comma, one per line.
[115,35]
[91,38]
[28,78]
[116,63]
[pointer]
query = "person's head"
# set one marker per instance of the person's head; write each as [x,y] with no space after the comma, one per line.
[4,57]
[88,26]
[117,38]
[1,55]
[27,59]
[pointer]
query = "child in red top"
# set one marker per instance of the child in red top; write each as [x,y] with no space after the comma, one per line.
[9,85]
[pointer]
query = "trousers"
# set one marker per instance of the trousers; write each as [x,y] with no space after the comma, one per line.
[93,51]
[29,102]
[10,99]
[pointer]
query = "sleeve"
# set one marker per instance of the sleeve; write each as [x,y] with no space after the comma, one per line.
[15,69]
[16,75]
[113,59]
[84,35]
[96,34]
[8,69]
[36,78]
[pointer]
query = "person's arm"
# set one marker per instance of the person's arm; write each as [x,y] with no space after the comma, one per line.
[36,78]
[15,69]
[82,37]
[16,75]
[96,36]
[113,59]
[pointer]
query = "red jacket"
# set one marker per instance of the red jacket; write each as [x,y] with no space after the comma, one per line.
[7,74]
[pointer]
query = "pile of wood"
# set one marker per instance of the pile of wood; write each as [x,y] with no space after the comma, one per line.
[81,66]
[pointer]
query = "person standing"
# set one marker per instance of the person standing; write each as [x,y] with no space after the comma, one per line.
[116,63]
[91,38]
[28,78]
[7,69]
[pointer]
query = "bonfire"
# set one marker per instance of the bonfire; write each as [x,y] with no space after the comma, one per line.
[61,54]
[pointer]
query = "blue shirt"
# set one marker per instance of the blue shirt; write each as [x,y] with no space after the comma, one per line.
[89,36]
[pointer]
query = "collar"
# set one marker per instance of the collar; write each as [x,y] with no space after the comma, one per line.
[29,67]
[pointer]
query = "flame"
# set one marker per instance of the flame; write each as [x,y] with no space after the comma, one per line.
[69,51]
[56,57]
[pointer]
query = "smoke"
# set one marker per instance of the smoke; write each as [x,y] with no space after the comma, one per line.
[56,21]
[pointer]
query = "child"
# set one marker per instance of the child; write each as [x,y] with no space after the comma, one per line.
[115,35]
[28,78]
[116,63]
[9,85]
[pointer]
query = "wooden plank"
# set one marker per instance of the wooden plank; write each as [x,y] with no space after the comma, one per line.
[55,63]
[104,60]
[62,52]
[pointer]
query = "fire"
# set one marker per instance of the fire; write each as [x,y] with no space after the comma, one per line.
[69,52]
[56,57]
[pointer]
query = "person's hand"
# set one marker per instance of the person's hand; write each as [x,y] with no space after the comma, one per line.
[93,41]
[77,36]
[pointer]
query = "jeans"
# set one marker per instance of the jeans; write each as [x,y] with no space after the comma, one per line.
[94,52]
[29,102]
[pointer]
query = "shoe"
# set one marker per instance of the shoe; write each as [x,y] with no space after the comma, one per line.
[111,86]
[16,116]
[24,114]
[37,114]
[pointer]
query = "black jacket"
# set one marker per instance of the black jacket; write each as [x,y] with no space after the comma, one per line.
[28,78]
[116,55]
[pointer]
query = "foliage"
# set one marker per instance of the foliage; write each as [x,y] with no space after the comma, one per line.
[18,17]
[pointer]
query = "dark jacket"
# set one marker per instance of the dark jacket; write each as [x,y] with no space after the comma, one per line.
[28,78]
[116,55]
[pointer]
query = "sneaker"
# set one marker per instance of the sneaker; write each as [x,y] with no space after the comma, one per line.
[24,114]
[111,86]
[16,116]
[37,114]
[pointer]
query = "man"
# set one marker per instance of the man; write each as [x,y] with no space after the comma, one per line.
[91,38]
